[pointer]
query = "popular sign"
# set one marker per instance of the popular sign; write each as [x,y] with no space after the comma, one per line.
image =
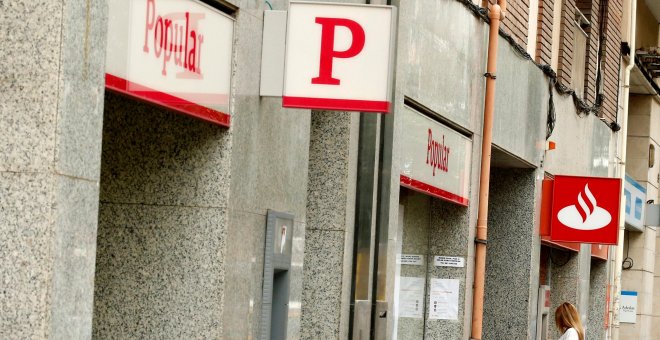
[174,53]
[339,57]
[585,209]
[435,159]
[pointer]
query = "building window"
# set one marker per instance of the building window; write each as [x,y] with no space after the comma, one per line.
[580,40]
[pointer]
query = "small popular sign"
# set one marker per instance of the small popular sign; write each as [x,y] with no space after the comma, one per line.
[585,209]
[339,57]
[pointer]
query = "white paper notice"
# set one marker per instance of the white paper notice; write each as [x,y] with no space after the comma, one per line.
[449,261]
[411,297]
[411,259]
[443,299]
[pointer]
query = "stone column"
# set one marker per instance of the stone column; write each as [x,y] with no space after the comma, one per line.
[513,255]
[655,320]
[330,225]
[569,282]
[595,325]
[640,247]
[51,113]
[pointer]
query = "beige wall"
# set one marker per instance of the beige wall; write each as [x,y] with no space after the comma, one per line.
[647,27]
[644,128]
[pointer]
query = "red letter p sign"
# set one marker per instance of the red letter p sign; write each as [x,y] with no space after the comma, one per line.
[328,44]
[338,57]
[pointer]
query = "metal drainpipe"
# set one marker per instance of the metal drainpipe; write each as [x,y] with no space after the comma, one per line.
[496,13]
[622,172]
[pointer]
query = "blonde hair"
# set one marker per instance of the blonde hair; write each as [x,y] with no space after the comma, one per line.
[567,316]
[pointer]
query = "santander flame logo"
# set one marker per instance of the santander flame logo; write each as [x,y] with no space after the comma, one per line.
[586,215]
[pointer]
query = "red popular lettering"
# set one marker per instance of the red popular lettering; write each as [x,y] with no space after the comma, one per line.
[150,21]
[176,39]
[437,153]
[328,52]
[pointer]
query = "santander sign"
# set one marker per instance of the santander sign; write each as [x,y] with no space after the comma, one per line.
[585,209]
[586,215]
[172,53]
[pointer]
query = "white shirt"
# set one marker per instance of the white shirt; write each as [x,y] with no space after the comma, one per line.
[570,334]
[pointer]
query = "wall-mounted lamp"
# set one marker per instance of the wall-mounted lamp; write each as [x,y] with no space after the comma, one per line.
[651,155]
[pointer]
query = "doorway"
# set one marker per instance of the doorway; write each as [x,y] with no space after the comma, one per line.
[431,268]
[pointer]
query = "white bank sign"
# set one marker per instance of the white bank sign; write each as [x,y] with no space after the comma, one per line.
[173,53]
[339,56]
[435,159]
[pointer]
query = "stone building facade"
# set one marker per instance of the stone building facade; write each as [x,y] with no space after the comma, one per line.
[120,219]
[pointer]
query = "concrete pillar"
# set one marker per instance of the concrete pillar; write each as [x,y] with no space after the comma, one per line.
[640,247]
[269,165]
[570,282]
[595,323]
[564,277]
[330,225]
[51,106]
[655,315]
[513,255]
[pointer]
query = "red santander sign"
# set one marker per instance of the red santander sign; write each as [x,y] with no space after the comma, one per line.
[173,53]
[339,57]
[585,209]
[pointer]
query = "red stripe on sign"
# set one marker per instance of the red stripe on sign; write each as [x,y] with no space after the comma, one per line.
[126,87]
[431,190]
[336,104]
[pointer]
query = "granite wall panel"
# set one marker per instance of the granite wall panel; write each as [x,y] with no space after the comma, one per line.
[163,221]
[81,89]
[74,255]
[160,272]
[322,284]
[50,118]
[330,225]
[25,255]
[448,236]
[564,283]
[414,240]
[244,275]
[30,32]
[269,167]
[512,259]
[160,157]
[598,284]
[432,227]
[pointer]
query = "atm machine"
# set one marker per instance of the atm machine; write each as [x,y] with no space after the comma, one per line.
[543,313]
[277,277]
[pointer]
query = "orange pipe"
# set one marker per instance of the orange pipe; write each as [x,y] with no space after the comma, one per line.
[495,14]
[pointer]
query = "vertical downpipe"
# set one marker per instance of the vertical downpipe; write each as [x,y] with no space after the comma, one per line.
[496,13]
